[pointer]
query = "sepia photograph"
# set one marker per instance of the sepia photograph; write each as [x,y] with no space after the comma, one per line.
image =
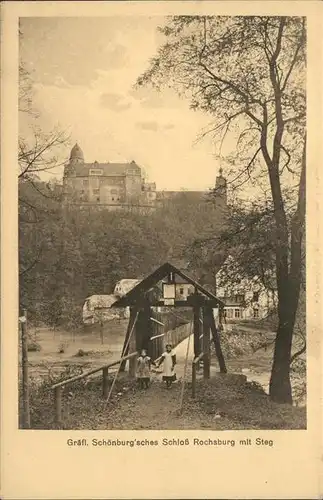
[161,203]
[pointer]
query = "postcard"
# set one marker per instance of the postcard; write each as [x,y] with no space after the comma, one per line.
[161,277]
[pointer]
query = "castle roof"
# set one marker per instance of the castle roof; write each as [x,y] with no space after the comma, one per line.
[108,169]
[76,153]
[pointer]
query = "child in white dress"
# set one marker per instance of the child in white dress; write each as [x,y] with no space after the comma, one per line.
[168,359]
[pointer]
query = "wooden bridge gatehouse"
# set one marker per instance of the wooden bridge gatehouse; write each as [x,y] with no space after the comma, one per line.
[166,287]
[169,287]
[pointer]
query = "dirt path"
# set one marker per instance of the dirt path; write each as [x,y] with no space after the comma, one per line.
[151,408]
[157,407]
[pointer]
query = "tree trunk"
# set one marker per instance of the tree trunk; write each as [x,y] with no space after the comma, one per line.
[280,389]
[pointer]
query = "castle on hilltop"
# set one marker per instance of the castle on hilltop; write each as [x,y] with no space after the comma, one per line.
[120,185]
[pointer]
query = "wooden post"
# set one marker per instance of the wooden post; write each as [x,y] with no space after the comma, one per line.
[197,330]
[58,405]
[25,380]
[206,346]
[216,340]
[159,346]
[105,382]
[132,343]
[101,332]
[193,380]
[126,346]
[144,329]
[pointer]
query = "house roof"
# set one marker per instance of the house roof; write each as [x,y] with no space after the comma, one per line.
[109,169]
[152,279]
[127,282]
[102,300]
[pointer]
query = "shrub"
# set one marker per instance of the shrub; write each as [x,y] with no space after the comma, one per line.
[81,353]
[41,396]
[33,347]
[298,378]
[62,347]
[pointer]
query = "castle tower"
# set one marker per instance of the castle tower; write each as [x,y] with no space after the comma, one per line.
[76,158]
[76,155]
[221,190]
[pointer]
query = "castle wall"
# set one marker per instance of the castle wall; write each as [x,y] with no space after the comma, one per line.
[133,185]
[96,189]
[148,197]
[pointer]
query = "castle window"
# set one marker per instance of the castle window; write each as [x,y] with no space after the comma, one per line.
[84,196]
[98,198]
[256,313]
[96,191]
[255,296]
[95,171]
[237,313]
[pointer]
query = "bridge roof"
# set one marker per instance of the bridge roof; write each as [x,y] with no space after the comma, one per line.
[155,277]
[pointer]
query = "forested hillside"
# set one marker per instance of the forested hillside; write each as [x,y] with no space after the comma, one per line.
[69,254]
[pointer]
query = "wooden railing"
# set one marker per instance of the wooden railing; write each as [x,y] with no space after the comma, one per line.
[171,330]
[177,336]
[58,388]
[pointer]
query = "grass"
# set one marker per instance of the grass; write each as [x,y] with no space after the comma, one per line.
[246,406]
[225,402]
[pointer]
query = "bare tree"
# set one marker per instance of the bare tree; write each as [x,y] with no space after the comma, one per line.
[248,74]
[37,152]
[39,201]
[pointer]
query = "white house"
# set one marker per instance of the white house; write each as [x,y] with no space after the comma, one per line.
[244,298]
[98,308]
[124,286]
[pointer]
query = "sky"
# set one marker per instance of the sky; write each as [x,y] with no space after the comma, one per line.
[84,71]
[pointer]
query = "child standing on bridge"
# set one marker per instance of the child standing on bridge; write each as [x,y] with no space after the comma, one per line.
[169,360]
[144,363]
